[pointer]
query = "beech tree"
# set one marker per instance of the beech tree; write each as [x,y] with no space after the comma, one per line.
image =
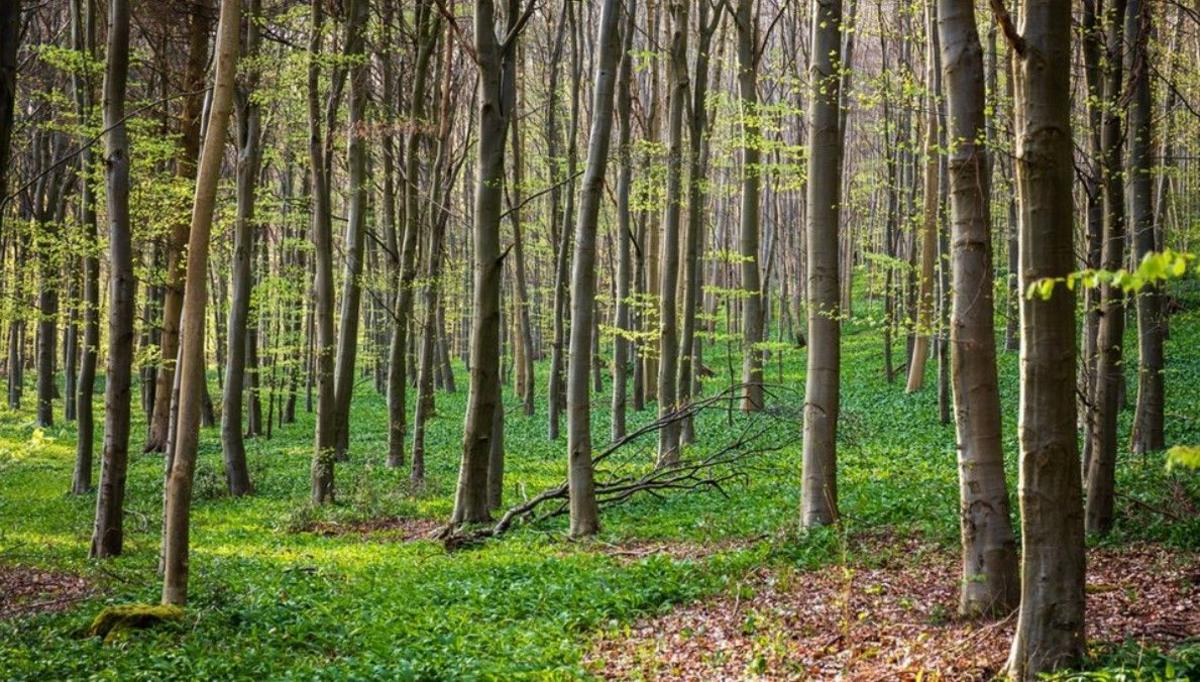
[1050,623]
[818,505]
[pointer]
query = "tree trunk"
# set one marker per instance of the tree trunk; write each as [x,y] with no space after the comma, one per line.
[496,93]
[752,315]
[322,235]
[818,506]
[185,169]
[929,225]
[249,136]
[191,355]
[1049,632]
[622,347]
[1151,324]
[1102,449]
[990,583]
[668,349]
[108,533]
[83,22]
[584,512]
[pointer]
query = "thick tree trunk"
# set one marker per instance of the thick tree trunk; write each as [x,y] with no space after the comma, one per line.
[191,355]
[1049,632]
[990,582]
[584,512]
[668,348]
[108,532]
[818,505]
[496,93]
[249,136]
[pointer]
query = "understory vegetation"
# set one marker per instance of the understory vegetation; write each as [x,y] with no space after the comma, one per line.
[359,589]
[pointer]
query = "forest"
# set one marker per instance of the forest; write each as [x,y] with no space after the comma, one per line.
[600,339]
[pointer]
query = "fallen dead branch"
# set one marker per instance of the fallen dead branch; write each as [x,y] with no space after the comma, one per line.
[714,470]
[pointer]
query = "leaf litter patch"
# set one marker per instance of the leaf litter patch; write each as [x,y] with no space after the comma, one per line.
[380,528]
[26,591]
[895,620]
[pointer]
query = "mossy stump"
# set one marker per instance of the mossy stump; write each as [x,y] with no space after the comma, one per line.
[115,621]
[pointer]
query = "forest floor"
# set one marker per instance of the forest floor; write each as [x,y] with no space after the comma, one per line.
[705,584]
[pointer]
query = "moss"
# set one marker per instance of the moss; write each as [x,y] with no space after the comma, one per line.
[115,621]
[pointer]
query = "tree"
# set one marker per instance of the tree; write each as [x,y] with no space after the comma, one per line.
[990,583]
[494,60]
[249,137]
[1109,371]
[199,26]
[585,518]
[1049,632]
[83,30]
[668,347]
[752,313]
[622,348]
[818,503]
[356,160]
[192,366]
[1149,416]
[108,532]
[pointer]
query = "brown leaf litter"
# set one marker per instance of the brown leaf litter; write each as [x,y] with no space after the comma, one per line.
[28,591]
[895,621]
[394,528]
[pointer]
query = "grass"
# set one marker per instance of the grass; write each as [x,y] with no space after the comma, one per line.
[269,601]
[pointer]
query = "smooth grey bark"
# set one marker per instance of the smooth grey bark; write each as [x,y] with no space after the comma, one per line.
[356,161]
[555,389]
[1148,417]
[83,29]
[325,438]
[1106,394]
[581,486]
[1049,633]
[108,531]
[990,583]
[698,151]
[668,347]
[818,502]
[249,138]
[752,304]
[177,515]
[524,360]
[622,347]
[494,61]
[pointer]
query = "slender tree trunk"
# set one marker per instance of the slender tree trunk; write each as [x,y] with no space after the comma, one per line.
[1102,450]
[185,169]
[562,257]
[1151,324]
[1049,632]
[584,512]
[525,375]
[818,506]
[668,349]
[752,314]
[322,234]
[929,227]
[249,136]
[191,368]
[108,532]
[622,348]
[83,20]
[990,582]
